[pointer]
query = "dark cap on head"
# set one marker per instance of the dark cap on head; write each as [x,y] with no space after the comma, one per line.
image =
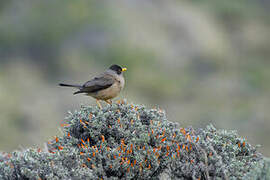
[116,68]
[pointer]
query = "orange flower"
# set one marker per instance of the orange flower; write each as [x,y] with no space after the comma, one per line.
[188,137]
[94,154]
[60,147]
[164,139]
[244,144]
[56,139]
[102,137]
[82,141]
[197,139]
[88,159]
[82,122]
[63,125]
[163,133]
[88,140]
[178,147]
[68,134]
[239,144]
[182,130]
[134,162]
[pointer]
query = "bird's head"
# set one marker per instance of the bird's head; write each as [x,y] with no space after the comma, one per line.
[117,69]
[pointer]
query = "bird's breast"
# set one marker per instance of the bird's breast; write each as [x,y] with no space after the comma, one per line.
[108,93]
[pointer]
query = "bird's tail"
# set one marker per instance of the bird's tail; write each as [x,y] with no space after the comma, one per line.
[70,85]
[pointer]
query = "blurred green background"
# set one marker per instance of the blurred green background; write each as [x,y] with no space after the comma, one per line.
[202,61]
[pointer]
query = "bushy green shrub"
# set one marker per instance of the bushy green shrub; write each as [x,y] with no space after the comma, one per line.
[126,141]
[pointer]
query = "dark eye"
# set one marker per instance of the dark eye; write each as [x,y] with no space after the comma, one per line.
[119,72]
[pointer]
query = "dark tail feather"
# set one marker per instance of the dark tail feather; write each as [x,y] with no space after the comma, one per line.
[69,85]
[78,92]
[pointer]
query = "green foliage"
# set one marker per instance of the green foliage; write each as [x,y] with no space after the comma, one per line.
[126,141]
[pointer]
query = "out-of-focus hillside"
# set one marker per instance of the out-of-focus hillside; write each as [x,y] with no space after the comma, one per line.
[203,61]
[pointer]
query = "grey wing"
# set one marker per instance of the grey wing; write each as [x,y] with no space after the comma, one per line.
[97,84]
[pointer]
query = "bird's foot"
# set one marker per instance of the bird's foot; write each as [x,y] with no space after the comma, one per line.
[98,103]
[109,101]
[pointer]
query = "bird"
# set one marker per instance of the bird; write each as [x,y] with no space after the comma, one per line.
[104,86]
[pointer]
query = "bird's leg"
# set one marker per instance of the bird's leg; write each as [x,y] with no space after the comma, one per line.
[109,101]
[98,103]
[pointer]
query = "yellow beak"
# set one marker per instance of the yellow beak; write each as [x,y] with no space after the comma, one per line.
[124,69]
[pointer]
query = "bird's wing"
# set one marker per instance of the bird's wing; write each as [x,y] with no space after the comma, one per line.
[98,83]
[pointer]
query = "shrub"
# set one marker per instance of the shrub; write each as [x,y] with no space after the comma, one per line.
[126,141]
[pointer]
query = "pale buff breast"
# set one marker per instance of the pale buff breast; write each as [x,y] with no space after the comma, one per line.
[110,92]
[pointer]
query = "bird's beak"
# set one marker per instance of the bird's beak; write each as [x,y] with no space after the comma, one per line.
[124,69]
